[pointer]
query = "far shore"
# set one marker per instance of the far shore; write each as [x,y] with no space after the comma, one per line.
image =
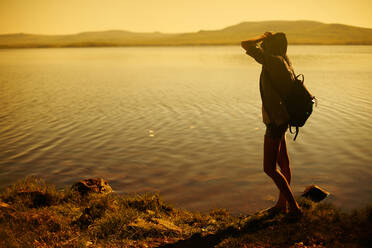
[172,45]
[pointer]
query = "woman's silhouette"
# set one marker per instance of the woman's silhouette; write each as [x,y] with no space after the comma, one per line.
[270,50]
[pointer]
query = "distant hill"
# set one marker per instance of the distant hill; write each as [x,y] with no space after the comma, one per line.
[298,32]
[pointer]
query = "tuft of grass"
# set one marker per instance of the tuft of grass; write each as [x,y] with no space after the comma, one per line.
[147,202]
[32,192]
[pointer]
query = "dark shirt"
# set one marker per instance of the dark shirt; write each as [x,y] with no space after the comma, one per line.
[275,80]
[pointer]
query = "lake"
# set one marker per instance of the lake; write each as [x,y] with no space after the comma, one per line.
[182,121]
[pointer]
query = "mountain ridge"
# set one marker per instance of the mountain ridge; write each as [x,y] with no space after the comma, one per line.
[298,32]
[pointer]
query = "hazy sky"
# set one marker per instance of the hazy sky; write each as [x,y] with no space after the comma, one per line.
[72,16]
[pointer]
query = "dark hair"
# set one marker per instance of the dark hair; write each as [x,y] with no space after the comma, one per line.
[276,44]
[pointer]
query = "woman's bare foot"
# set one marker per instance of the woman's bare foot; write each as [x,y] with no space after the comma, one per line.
[273,211]
[294,214]
[281,205]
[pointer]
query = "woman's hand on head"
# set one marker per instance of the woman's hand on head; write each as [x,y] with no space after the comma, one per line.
[253,41]
[268,34]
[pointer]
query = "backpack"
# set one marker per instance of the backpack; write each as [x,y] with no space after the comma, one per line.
[299,104]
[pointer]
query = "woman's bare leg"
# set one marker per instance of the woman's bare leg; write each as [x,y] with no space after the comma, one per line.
[271,149]
[284,164]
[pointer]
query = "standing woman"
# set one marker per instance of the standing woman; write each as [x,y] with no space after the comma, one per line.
[270,50]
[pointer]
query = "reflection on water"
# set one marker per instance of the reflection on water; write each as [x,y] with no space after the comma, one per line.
[182,121]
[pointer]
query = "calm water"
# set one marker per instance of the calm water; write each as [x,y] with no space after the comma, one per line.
[182,121]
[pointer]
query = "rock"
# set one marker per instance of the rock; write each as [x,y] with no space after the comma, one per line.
[93,185]
[315,193]
[167,225]
[157,224]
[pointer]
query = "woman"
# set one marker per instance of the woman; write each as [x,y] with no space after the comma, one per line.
[275,79]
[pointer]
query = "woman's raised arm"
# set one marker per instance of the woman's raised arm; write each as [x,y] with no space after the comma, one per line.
[246,44]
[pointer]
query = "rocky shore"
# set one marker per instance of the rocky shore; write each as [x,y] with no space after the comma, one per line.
[34,213]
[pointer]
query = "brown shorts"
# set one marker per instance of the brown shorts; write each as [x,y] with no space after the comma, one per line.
[275,132]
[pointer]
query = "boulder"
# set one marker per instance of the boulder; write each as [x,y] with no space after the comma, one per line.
[315,193]
[92,185]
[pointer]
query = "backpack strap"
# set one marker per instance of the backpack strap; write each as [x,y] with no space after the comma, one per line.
[292,132]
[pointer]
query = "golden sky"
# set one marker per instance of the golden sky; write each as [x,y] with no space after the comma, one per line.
[73,16]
